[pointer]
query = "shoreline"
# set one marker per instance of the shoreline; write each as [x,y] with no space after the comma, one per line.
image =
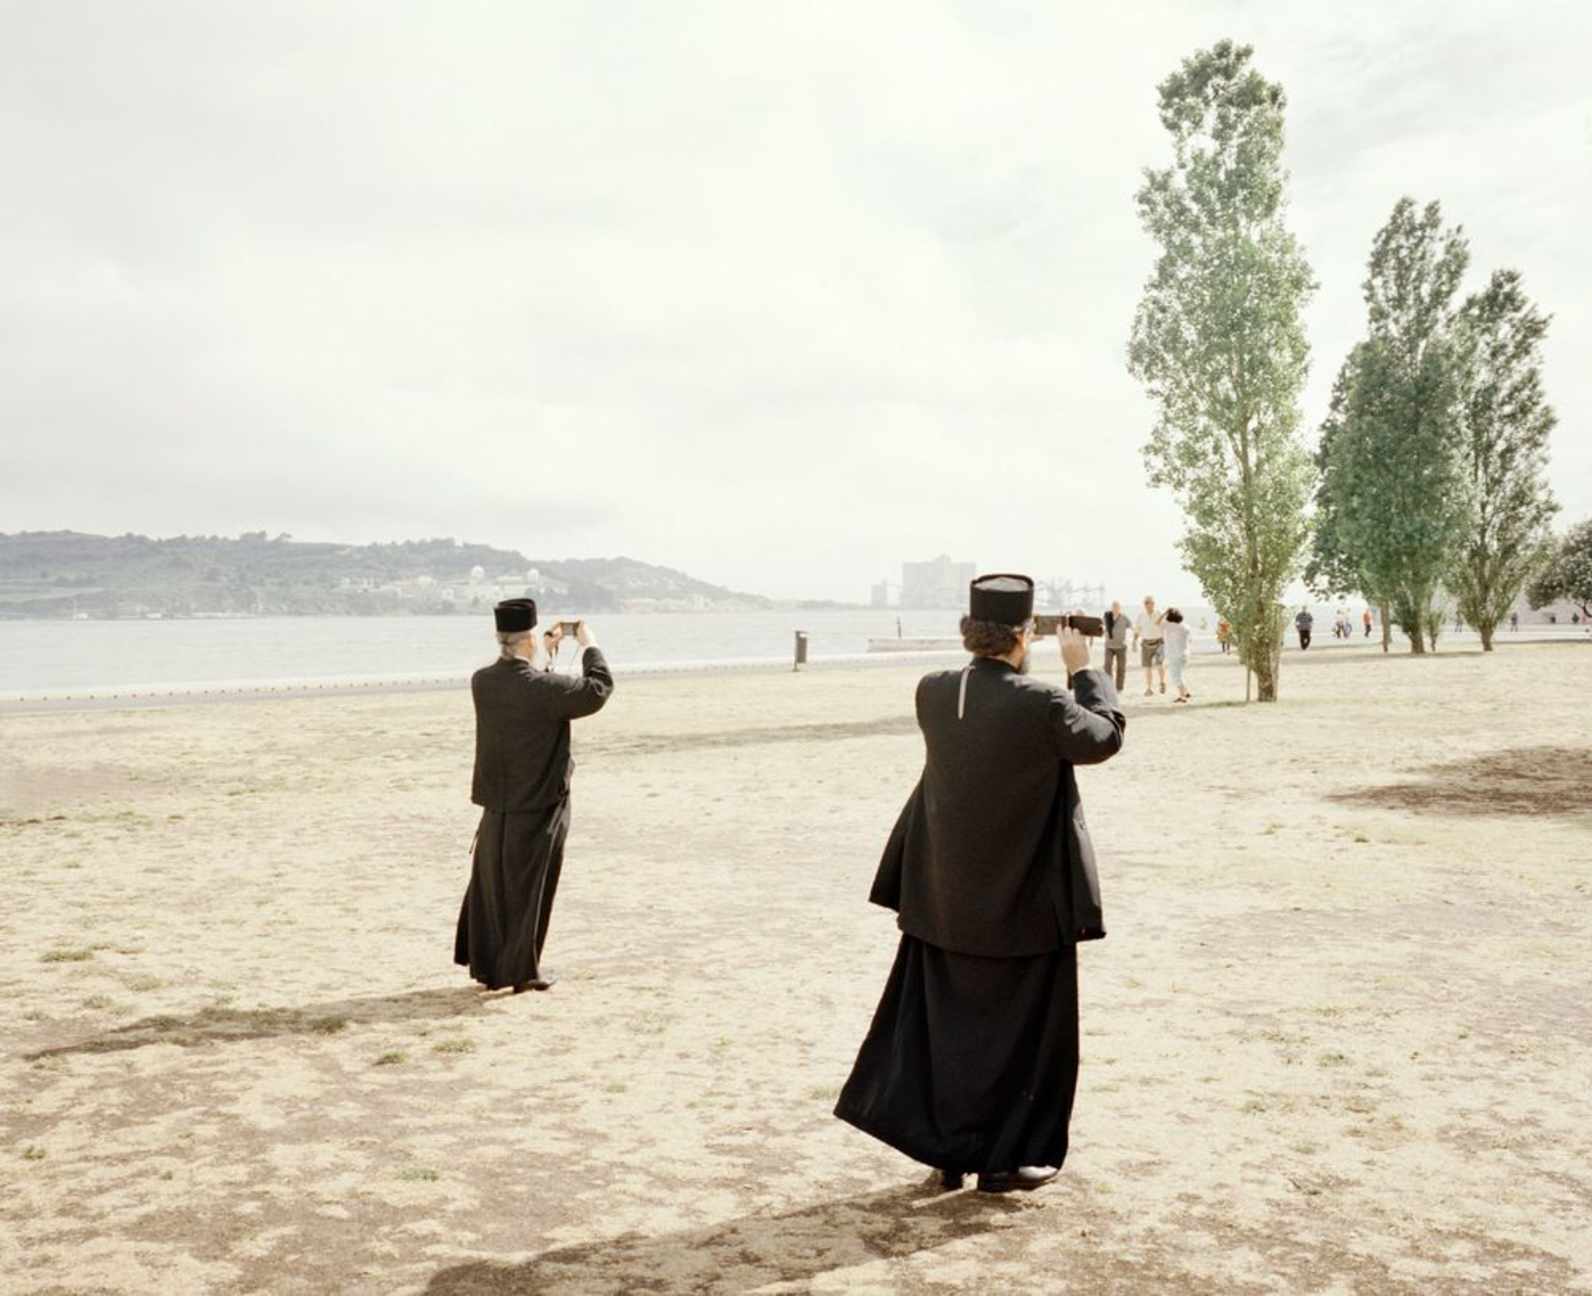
[145,696]
[135,697]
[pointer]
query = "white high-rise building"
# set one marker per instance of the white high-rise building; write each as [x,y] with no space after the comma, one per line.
[938,583]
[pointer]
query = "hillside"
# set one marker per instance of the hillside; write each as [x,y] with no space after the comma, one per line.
[69,573]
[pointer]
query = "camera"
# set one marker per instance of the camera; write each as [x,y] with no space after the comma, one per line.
[1091,626]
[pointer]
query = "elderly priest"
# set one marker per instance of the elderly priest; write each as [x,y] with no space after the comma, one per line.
[522,777]
[972,1059]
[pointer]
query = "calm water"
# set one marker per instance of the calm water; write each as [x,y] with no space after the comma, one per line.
[51,655]
[41,656]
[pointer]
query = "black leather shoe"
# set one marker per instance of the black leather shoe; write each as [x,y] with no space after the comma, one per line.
[952,1180]
[1022,1179]
[546,981]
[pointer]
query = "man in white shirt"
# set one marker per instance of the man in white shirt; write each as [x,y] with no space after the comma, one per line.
[1152,647]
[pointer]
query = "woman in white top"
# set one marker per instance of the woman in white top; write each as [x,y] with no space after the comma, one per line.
[1175,635]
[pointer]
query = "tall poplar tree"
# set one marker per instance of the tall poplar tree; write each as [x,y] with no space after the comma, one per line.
[1218,343]
[1333,570]
[1505,420]
[1395,477]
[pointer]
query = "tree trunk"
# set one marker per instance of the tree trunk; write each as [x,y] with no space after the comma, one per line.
[1266,678]
[1417,639]
[1387,626]
[1486,637]
[1268,659]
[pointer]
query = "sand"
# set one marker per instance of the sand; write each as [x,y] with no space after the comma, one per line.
[1338,1040]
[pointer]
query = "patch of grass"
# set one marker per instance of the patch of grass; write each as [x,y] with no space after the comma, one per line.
[329,1025]
[80,955]
[615,1087]
[142,982]
[393,1057]
[454,1046]
[33,1153]
[1333,1060]
[418,1174]
[99,1003]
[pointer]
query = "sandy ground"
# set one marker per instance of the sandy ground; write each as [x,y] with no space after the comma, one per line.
[1339,1039]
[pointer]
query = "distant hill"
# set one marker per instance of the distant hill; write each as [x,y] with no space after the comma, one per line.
[69,573]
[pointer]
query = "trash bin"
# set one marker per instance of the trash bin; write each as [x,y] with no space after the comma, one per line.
[801,650]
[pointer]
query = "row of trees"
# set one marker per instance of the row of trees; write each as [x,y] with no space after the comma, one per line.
[1428,480]
[1433,455]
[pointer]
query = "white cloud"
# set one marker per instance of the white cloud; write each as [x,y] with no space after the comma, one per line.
[780,294]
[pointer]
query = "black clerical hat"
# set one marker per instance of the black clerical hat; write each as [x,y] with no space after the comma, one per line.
[1002,597]
[515,615]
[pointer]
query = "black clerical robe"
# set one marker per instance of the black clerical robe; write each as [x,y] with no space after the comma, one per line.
[523,770]
[971,1060]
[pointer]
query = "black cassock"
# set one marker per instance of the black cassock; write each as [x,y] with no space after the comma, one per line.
[972,1058]
[522,777]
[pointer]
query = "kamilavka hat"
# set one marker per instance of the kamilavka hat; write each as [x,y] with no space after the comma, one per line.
[515,616]
[1002,597]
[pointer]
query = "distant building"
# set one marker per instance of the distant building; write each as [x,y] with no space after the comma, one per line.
[879,595]
[477,575]
[938,583]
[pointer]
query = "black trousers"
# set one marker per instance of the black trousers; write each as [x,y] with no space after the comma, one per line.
[1304,640]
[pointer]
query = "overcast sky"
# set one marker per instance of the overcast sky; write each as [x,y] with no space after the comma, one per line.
[778,294]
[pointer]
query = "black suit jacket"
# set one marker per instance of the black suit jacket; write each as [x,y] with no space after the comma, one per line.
[522,760]
[991,855]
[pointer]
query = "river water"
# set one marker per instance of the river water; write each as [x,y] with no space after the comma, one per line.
[54,655]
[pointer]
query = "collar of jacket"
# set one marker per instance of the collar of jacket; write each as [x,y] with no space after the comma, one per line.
[993,663]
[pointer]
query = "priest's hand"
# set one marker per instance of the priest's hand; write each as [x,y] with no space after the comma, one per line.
[1074,649]
[584,636]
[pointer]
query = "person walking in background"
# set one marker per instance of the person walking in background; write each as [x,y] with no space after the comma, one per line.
[1224,635]
[1303,623]
[1116,641]
[1369,620]
[1147,635]
[1514,621]
[971,1062]
[1174,633]
[521,783]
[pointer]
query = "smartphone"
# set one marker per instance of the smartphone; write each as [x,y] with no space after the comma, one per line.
[569,627]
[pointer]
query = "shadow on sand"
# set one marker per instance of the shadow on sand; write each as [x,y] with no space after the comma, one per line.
[233,1025]
[744,1254]
[1531,781]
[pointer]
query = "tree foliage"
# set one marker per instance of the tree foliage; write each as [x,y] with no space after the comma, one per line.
[1568,574]
[1394,499]
[1505,420]
[1219,344]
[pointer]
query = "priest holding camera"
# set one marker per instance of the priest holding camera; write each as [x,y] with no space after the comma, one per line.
[522,778]
[971,1062]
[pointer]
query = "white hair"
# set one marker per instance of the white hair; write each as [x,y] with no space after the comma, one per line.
[510,640]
